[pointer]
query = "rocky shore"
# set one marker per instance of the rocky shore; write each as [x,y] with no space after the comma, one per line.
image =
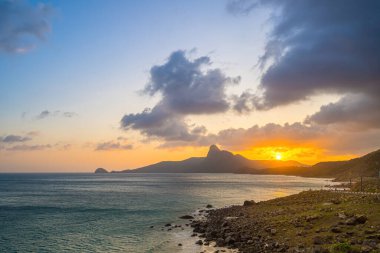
[311,221]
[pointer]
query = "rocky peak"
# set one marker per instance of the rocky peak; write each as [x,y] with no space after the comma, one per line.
[213,150]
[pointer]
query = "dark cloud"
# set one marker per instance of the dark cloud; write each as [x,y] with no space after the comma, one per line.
[320,47]
[47,114]
[359,111]
[245,102]
[14,138]
[29,147]
[22,25]
[187,87]
[112,145]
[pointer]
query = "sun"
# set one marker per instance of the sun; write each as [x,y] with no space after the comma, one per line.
[278,156]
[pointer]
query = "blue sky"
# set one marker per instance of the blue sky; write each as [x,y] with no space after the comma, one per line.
[101,52]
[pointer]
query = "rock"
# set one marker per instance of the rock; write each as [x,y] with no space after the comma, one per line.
[361,219]
[199,242]
[180,244]
[101,170]
[351,221]
[357,219]
[229,240]
[168,225]
[209,206]
[151,226]
[220,242]
[249,203]
[369,231]
[336,230]
[342,216]
[336,201]
[318,240]
[186,217]
[231,218]
[312,217]
[366,249]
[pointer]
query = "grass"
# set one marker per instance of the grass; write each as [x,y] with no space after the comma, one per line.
[300,218]
[369,185]
[344,247]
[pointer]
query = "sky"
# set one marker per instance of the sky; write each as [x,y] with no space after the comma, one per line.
[122,84]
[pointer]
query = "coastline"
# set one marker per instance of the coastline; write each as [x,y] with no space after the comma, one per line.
[310,221]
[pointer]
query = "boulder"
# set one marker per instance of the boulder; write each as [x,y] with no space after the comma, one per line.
[336,230]
[249,203]
[186,217]
[357,219]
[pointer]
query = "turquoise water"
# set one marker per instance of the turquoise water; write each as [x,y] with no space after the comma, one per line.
[114,212]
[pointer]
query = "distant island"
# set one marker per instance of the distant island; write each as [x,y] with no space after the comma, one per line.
[101,170]
[222,161]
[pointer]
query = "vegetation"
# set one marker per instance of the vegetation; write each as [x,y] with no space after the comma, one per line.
[311,221]
[344,247]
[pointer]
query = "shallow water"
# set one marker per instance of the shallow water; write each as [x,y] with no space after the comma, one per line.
[114,212]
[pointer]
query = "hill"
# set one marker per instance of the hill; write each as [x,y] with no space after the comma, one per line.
[366,166]
[216,161]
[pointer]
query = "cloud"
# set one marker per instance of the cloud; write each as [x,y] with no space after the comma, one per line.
[245,102]
[187,87]
[269,134]
[14,138]
[33,133]
[22,25]
[357,111]
[319,47]
[112,145]
[29,147]
[238,7]
[47,114]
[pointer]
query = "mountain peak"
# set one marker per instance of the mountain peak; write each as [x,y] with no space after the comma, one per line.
[213,150]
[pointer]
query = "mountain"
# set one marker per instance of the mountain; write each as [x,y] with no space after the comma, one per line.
[222,161]
[366,166]
[216,161]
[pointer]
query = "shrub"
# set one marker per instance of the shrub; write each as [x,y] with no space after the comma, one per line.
[343,247]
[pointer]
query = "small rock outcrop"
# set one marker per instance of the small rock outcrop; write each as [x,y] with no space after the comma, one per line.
[249,203]
[186,217]
[101,170]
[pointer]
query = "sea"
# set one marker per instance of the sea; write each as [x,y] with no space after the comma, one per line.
[123,212]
